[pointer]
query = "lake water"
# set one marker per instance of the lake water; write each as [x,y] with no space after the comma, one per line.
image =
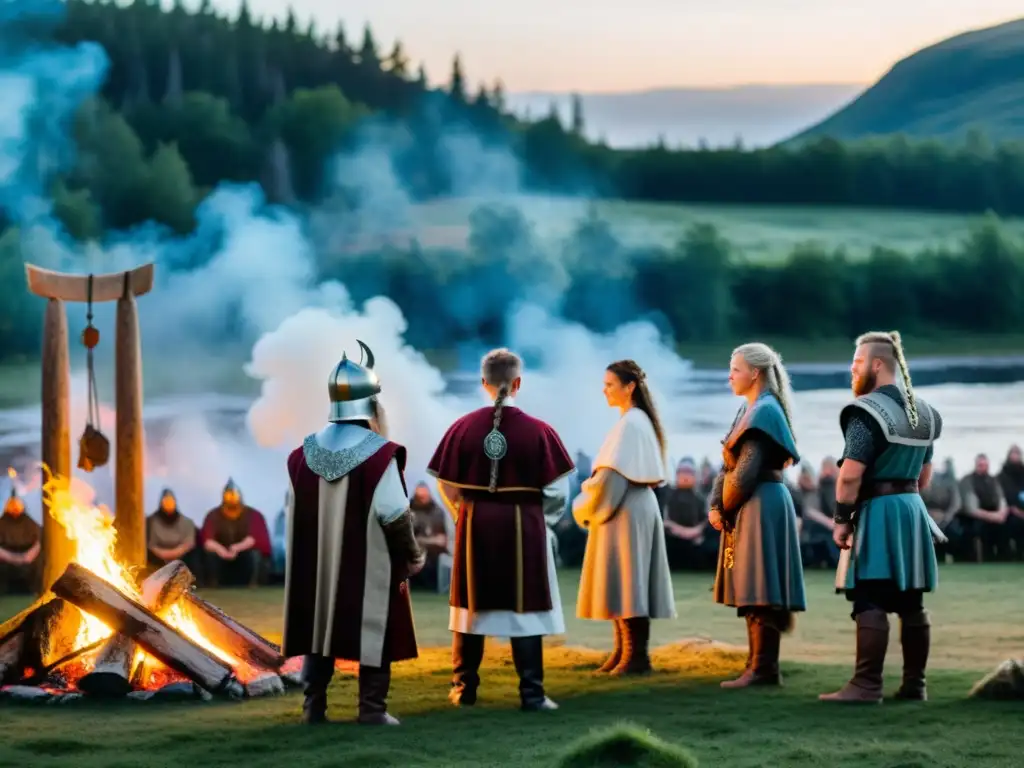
[982,408]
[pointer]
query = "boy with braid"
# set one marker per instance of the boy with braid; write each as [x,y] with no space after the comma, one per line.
[882,525]
[497,470]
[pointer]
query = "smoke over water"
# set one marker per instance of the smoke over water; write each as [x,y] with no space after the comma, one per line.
[252,268]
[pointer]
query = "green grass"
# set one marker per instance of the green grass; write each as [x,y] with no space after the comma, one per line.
[759,233]
[978,616]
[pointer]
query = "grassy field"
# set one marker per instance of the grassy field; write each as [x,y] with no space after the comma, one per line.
[758,232]
[979,620]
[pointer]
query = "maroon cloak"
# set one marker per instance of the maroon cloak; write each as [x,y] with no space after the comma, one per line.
[361,618]
[501,549]
[227,531]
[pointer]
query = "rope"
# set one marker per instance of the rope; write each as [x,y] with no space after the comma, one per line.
[93,417]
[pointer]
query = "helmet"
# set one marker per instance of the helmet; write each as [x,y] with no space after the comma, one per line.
[353,389]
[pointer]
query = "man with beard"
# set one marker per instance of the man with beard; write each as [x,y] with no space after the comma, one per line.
[942,497]
[882,525]
[985,510]
[236,541]
[1011,478]
[429,525]
[171,535]
[350,548]
[498,471]
[20,538]
[686,523]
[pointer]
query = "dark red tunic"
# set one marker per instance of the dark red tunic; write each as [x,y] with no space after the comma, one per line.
[500,558]
[227,531]
[349,625]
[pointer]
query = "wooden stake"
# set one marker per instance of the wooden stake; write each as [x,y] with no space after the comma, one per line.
[130,514]
[56,438]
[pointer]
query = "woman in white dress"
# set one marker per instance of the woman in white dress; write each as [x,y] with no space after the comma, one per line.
[626,578]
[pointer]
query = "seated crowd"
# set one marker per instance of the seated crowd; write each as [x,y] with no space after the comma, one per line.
[981,514]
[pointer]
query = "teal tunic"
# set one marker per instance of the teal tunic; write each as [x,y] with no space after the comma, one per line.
[766,571]
[893,535]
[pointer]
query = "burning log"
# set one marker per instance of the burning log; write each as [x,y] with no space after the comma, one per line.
[36,636]
[98,598]
[226,633]
[112,673]
[268,684]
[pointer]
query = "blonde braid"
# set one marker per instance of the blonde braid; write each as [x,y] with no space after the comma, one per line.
[901,361]
[499,403]
[779,385]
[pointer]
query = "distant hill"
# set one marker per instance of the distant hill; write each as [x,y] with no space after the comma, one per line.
[760,115]
[973,80]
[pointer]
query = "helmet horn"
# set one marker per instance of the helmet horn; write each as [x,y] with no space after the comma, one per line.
[367,355]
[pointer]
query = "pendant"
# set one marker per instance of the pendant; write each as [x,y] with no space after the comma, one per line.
[495,445]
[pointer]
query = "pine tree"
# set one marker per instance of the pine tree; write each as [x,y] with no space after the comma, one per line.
[457,85]
[577,124]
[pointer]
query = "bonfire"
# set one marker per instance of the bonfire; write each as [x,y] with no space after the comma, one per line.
[102,632]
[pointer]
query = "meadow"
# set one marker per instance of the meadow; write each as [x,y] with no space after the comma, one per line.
[978,621]
[759,232]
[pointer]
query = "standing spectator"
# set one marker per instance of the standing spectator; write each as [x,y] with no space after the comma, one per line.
[816,544]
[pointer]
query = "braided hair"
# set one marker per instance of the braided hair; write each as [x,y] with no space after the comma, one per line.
[768,361]
[888,346]
[499,368]
[629,372]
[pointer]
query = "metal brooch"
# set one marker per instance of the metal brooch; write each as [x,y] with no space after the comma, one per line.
[495,445]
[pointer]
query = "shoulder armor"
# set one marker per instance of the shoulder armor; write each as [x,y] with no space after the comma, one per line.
[893,420]
[332,465]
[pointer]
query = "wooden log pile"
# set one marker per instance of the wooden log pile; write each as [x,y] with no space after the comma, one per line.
[168,643]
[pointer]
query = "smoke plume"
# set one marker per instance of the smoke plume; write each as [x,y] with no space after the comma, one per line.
[251,268]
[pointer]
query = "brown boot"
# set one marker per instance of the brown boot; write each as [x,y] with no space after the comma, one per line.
[616,656]
[872,642]
[374,683]
[636,639]
[765,645]
[317,672]
[916,639]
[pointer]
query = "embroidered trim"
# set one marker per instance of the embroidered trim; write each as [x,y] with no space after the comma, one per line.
[891,417]
[331,465]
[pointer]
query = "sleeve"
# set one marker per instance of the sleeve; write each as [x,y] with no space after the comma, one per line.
[740,483]
[929,454]
[209,530]
[715,497]
[259,532]
[389,502]
[600,498]
[861,439]
[189,538]
[968,497]
[450,497]
[555,497]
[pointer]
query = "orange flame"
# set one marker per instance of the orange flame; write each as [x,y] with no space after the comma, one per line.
[90,529]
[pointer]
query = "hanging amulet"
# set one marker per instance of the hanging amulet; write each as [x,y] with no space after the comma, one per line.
[90,337]
[495,445]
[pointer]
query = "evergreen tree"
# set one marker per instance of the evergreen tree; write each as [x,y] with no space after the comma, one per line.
[457,84]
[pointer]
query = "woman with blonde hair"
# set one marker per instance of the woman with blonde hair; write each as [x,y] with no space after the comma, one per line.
[626,578]
[759,569]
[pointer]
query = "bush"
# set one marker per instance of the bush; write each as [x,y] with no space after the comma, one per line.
[624,745]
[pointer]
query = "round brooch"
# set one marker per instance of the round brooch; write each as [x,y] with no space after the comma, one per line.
[495,445]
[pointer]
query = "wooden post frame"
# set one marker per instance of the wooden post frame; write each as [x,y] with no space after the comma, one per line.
[122,287]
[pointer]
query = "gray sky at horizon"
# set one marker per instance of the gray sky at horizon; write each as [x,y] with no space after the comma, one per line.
[626,45]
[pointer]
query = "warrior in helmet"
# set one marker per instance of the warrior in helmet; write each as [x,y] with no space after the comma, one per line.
[498,471]
[20,538]
[882,524]
[236,541]
[350,548]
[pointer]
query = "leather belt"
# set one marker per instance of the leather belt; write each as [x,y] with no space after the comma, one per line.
[889,488]
[769,476]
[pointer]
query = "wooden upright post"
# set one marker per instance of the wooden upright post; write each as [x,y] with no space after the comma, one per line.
[121,287]
[56,437]
[130,519]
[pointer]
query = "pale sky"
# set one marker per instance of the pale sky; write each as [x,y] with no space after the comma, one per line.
[619,45]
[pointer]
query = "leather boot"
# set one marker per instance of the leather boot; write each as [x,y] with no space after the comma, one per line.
[636,639]
[528,656]
[467,654]
[872,642]
[374,684]
[613,661]
[765,645]
[916,639]
[317,672]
